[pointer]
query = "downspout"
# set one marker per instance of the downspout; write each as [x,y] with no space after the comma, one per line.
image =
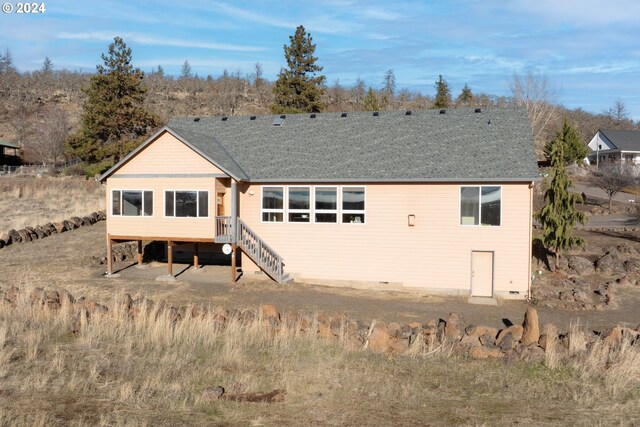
[530,277]
[234,211]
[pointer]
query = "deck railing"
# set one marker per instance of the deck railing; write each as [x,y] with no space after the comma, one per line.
[260,252]
[224,229]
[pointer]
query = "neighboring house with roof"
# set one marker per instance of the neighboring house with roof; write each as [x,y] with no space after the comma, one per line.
[9,154]
[438,200]
[615,146]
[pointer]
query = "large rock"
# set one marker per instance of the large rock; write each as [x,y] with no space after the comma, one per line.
[478,331]
[15,237]
[485,352]
[610,264]
[270,311]
[530,327]
[24,235]
[453,328]
[379,338]
[581,265]
[398,345]
[515,331]
[580,296]
[632,265]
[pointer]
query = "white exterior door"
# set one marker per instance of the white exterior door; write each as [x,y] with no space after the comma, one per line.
[481,274]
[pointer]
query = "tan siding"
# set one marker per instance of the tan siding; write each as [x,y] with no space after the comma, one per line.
[157,225]
[436,253]
[167,155]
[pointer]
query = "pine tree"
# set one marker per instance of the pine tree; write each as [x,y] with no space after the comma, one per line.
[298,88]
[185,71]
[47,66]
[6,62]
[443,94]
[466,96]
[114,119]
[371,102]
[559,214]
[574,148]
[389,85]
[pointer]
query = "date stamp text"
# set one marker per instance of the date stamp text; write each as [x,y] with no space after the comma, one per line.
[33,8]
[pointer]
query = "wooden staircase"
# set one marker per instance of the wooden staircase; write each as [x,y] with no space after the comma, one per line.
[251,244]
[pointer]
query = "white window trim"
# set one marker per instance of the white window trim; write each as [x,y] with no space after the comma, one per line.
[335,211]
[312,209]
[351,211]
[164,204]
[289,210]
[121,215]
[285,201]
[479,225]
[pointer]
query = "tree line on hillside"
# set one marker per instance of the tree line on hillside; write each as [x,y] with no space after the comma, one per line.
[99,117]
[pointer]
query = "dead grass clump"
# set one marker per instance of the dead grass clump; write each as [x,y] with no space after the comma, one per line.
[612,368]
[31,201]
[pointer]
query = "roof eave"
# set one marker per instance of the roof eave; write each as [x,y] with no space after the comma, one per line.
[393,180]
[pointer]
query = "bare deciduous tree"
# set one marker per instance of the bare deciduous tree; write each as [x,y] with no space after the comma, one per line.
[613,179]
[48,143]
[534,92]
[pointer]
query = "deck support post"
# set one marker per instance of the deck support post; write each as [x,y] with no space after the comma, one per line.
[234,228]
[195,256]
[139,252]
[109,255]
[170,257]
[233,263]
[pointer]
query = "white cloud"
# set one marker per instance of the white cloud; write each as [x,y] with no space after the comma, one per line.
[157,41]
[252,16]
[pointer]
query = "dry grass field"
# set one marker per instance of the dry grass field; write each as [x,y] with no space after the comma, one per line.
[152,371]
[31,201]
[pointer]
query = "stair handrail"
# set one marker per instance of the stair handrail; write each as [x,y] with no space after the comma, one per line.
[261,253]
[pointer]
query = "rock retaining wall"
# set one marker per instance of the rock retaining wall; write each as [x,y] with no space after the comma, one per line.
[527,341]
[28,234]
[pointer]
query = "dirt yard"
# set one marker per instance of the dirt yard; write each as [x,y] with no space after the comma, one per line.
[64,261]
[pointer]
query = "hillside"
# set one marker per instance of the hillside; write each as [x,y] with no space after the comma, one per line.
[29,100]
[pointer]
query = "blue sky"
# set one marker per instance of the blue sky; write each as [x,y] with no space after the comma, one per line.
[588,49]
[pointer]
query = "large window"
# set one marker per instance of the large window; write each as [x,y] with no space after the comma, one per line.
[326,204]
[480,205]
[186,204]
[273,204]
[320,205]
[299,204]
[353,205]
[131,203]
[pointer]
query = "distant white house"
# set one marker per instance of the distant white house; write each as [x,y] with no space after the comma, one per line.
[615,146]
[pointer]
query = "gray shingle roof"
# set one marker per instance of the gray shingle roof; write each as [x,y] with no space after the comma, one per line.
[625,140]
[460,145]
[8,144]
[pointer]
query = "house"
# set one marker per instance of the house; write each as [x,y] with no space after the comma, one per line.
[437,200]
[9,154]
[615,146]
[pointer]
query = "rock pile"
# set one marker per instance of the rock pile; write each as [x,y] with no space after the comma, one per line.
[514,342]
[590,283]
[28,234]
[119,252]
